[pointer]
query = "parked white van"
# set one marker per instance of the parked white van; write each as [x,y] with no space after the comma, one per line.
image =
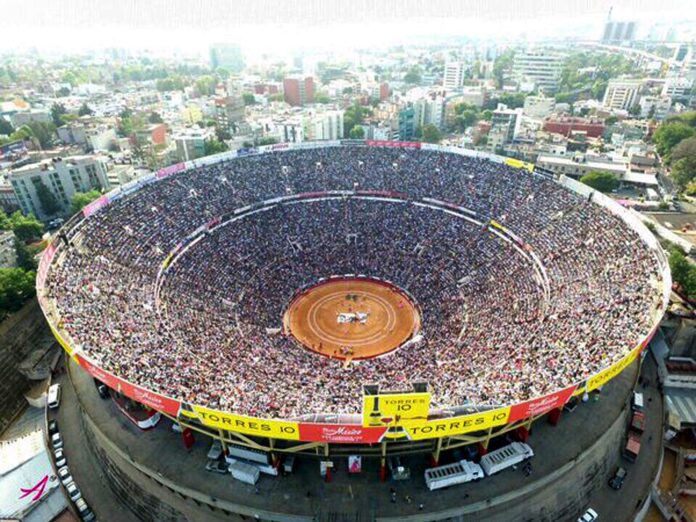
[54,396]
[451,474]
[506,457]
[638,403]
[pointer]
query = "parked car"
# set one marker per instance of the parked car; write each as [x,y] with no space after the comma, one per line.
[60,458]
[73,491]
[55,223]
[617,480]
[52,427]
[589,516]
[56,441]
[64,475]
[86,514]
[217,466]
[54,396]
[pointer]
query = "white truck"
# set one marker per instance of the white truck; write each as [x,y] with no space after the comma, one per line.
[451,474]
[506,457]
[244,472]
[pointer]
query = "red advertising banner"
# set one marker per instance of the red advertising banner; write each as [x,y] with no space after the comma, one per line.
[541,405]
[141,395]
[340,433]
[44,263]
[400,144]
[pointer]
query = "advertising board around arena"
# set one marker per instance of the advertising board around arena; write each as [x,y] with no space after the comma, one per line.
[148,398]
[66,346]
[171,169]
[518,164]
[540,405]
[95,206]
[453,426]
[247,425]
[396,144]
[340,433]
[608,374]
[395,409]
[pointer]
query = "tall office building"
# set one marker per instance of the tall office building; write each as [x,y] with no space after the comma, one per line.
[298,90]
[542,67]
[618,32]
[622,94]
[454,75]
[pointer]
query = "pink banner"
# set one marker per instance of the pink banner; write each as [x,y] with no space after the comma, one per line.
[400,144]
[95,205]
[168,171]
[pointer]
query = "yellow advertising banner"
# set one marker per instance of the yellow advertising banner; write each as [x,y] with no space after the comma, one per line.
[459,425]
[247,425]
[395,409]
[605,376]
[519,164]
[60,340]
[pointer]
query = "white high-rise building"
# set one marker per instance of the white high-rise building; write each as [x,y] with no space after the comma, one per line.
[622,94]
[543,68]
[62,177]
[454,75]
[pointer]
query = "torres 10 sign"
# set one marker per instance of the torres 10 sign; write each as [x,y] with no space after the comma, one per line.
[395,409]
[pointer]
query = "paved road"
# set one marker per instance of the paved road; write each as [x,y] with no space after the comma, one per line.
[162,451]
[621,505]
[88,475]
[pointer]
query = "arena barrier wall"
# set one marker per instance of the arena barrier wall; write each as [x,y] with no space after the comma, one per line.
[344,432]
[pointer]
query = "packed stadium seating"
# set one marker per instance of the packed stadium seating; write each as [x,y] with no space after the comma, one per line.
[492,334]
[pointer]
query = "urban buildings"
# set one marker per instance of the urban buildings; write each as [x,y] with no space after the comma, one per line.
[298,90]
[622,94]
[8,252]
[190,143]
[454,75]
[229,111]
[617,33]
[567,125]
[539,106]
[62,178]
[542,68]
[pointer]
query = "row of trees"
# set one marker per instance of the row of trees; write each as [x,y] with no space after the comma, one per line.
[675,141]
[17,285]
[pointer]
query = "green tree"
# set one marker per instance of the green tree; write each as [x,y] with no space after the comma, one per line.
[16,287]
[222,73]
[222,134]
[413,76]
[154,117]
[668,135]
[49,203]
[683,272]
[602,181]
[268,140]
[431,134]
[6,127]
[85,110]
[322,98]
[26,228]
[248,98]
[81,199]
[502,64]
[44,132]
[26,255]
[213,146]
[5,223]
[357,132]
[206,85]
[57,110]
[684,171]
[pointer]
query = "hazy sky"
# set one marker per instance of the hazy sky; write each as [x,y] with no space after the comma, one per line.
[323,24]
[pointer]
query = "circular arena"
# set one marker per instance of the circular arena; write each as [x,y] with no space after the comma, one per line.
[273,292]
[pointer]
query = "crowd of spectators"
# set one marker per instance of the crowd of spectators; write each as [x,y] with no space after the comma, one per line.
[497,327]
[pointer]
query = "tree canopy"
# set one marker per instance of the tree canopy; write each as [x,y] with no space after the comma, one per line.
[16,286]
[668,135]
[81,199]
[26,228]
[683,159]
[602,181]
[683,272]
[85,110]
[213,146]
[357,132]
[431,134]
